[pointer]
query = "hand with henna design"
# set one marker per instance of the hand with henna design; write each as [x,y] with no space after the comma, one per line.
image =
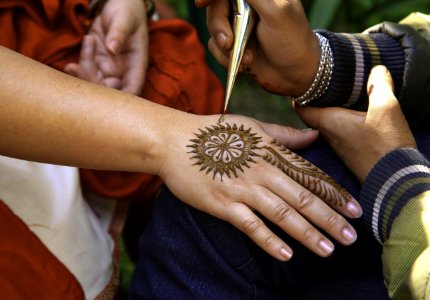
[106,129]
[235,169]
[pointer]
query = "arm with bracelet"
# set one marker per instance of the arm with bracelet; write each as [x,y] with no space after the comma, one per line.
[404,48]
[292,60]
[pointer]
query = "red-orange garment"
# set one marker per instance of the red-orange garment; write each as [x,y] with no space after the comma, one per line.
[50,31]
[28,270]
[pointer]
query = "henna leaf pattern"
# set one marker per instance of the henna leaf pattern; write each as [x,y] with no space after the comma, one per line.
[306,174]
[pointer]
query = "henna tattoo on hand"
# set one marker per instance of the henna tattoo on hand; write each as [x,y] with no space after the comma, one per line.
[224,149]
[306,174]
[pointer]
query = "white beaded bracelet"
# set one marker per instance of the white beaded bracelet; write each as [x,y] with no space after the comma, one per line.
[323,75]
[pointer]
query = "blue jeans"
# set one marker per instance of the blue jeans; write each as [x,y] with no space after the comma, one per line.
[187,254]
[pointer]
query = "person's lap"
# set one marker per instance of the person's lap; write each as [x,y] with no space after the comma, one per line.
[185,254]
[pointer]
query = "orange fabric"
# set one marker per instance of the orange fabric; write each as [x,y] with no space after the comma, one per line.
[28,270]
[51,31]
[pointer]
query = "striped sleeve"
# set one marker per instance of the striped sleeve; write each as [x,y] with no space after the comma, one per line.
[354,57]
[401,175]
[396,207]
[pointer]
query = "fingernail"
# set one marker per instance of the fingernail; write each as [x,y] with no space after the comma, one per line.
[326,247]
[349,235]
[354,209]
[286,253]
[221,39]
[307,129]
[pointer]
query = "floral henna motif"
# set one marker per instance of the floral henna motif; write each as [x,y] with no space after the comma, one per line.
[224,149]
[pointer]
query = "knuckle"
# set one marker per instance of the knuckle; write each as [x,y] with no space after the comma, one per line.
[304,199]
[252,225]
[333,219]
[309,233]
[269,241]
[282,211]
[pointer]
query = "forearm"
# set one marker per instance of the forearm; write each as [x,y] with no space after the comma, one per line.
[51,117]
[396,204]
[354,57]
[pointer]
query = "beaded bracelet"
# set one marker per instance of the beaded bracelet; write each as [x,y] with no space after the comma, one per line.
[323,75]
[97,5]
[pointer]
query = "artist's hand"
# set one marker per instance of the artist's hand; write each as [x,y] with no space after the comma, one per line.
[234,170]
[115,52]
[359,138]
[284,55]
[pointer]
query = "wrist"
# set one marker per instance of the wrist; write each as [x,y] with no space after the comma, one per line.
[317,77]
[96,7]
[305,72]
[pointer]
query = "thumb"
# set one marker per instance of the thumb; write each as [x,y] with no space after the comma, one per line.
[119,30]
[290,137]
[380,88]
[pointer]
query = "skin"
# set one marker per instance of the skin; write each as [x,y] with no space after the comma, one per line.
[56,118]
[360,138]
[115,51]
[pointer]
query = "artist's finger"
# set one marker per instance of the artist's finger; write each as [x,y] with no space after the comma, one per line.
[290,137]
[218,53]
[219,25]
[315,209]
[284,10]
[245,220]
[328,119]
[381,93]
[292,222]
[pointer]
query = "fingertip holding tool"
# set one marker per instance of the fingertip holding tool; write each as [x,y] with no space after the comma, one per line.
[244,18]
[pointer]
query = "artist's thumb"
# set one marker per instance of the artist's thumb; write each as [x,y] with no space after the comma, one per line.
[380,88]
